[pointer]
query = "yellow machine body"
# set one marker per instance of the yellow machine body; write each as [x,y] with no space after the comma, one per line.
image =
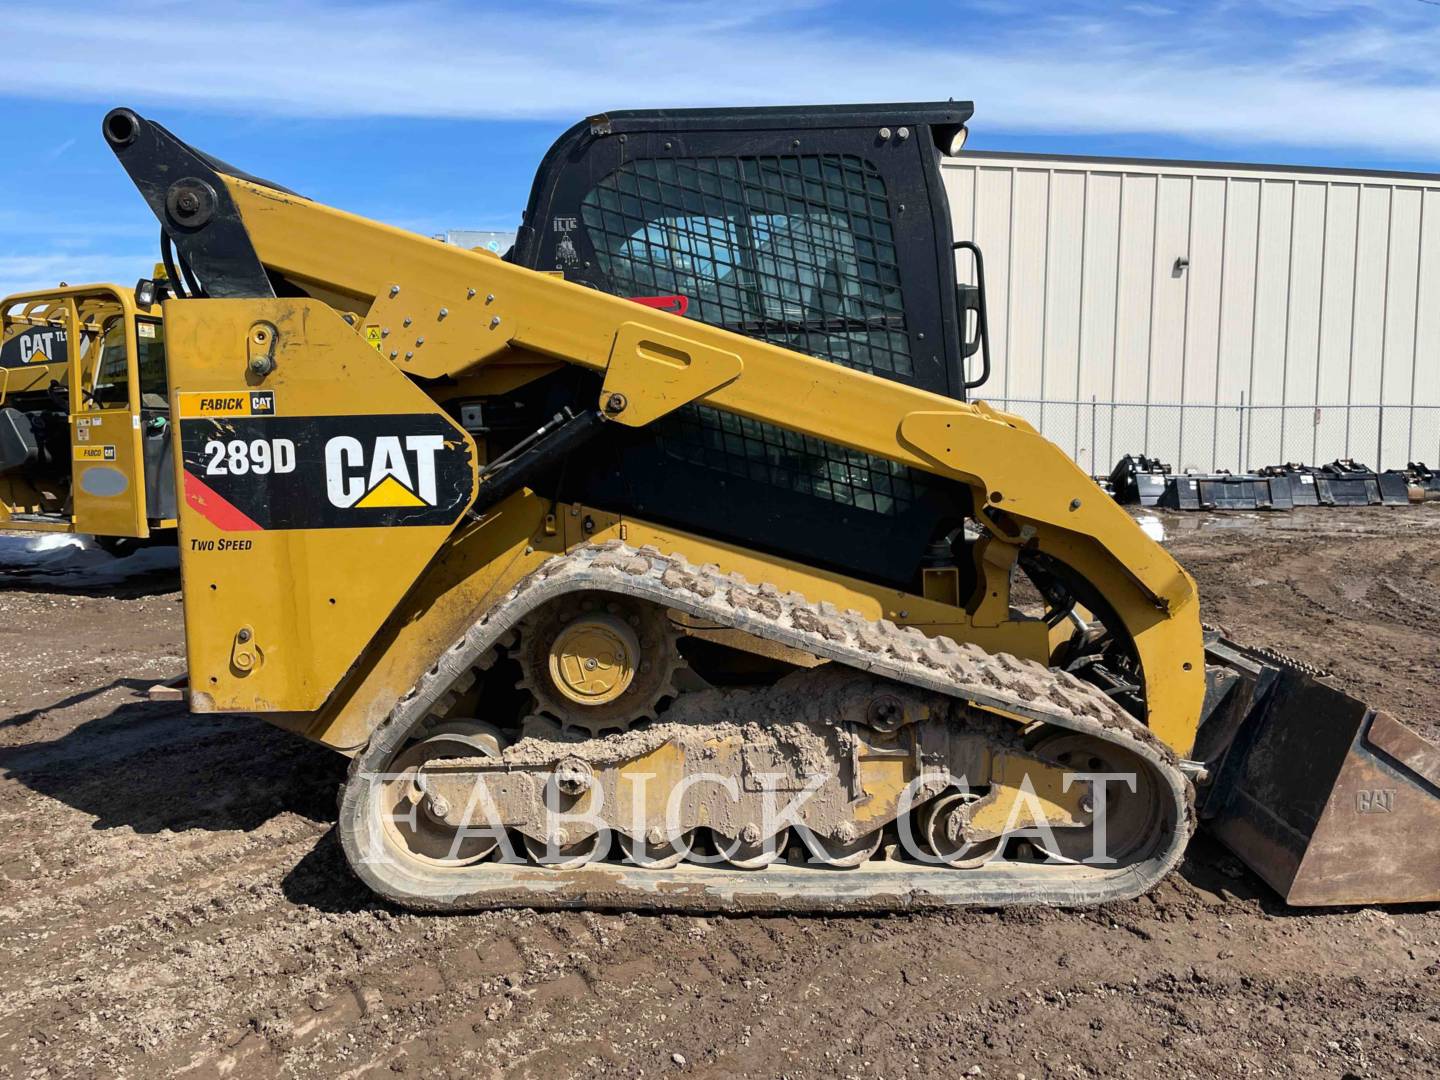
[368,566]
[657,362]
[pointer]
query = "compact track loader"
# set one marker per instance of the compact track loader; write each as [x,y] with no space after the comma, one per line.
[664,562]
[85,438]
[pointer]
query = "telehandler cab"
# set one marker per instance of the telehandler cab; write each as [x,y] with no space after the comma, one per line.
[85,435]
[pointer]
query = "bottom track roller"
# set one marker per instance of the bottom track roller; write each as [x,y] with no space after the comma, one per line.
[840,853]
[559,854]
[746,854]
[655,852]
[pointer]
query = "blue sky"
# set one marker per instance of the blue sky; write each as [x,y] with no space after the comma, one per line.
[433,115]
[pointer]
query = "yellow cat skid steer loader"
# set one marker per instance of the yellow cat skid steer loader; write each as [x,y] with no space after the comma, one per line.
[727,599]
[85,439]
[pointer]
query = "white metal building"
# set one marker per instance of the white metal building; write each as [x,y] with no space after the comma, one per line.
[1213,315]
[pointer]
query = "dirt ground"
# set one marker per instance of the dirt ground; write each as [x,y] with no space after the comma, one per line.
[173,900]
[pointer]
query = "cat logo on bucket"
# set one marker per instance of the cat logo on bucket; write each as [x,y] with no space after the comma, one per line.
[385,471]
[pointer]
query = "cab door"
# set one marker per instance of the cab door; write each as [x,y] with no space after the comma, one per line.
[108,485]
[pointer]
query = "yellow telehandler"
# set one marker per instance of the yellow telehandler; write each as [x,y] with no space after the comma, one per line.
[85,436]
[671,562]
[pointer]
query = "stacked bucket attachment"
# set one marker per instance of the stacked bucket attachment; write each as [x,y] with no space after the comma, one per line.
[1424,482]
[1343,483]
[1138,480]
[1224,491]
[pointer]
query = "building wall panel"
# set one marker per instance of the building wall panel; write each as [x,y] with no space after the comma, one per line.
[1134,297]
[1204,284]
[992,228]
[1397,362]
[1065,253]
[1311,296]
[1367,340]
[1302,328]
[1028,274]
[1097,317]
[1423,425]
[1337,323]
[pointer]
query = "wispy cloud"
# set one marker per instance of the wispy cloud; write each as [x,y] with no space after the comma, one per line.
[1336,73]
[73,227]
[24,273]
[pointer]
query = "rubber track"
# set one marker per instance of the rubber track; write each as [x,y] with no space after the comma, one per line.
[996,681]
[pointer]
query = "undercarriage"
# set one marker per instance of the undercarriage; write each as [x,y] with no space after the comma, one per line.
[897,771]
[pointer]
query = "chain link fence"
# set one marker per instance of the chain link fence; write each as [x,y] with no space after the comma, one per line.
[1238,437]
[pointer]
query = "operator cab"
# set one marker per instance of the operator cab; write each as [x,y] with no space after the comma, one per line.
[821,229]
[85,440]
[825,229]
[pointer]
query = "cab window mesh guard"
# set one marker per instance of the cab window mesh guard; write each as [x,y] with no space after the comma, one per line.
[795,250]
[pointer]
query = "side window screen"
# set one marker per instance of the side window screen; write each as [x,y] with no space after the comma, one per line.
[798,251]
[150,341]
[112,375]
[771,455]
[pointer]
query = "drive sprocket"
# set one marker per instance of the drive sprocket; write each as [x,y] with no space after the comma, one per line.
[598,662]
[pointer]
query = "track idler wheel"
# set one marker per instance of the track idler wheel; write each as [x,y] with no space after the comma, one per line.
[942,832]
[1131,816]
[415,816]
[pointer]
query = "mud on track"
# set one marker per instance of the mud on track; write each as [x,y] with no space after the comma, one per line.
[172,898]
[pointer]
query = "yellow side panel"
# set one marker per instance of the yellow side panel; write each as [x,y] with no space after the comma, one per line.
[108,485]
[482,563]
[312,496]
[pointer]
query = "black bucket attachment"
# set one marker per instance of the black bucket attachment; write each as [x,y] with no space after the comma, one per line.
[1346,483]
[1424,482]
[1226,491]
[1328,800]
[1138,479]
[1300,480]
